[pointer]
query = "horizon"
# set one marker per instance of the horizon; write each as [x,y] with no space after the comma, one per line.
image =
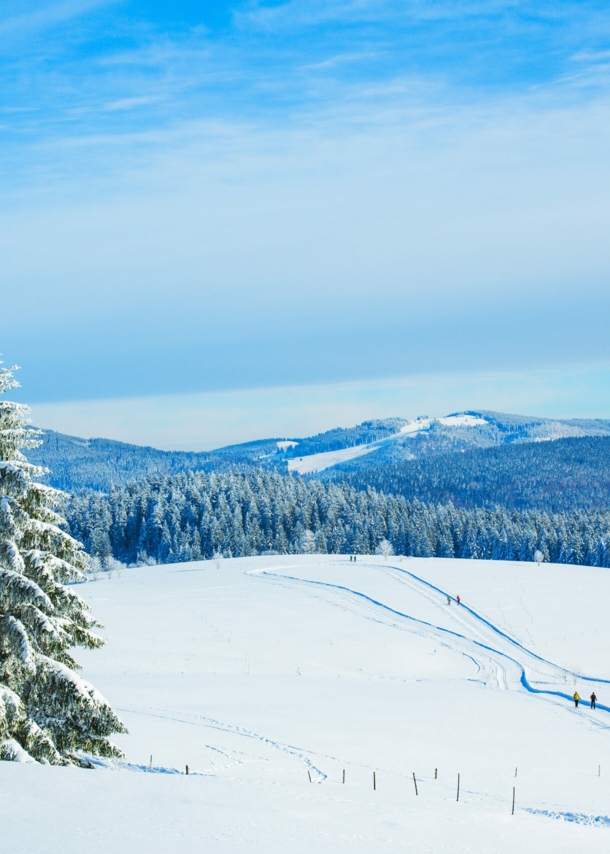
[251,415]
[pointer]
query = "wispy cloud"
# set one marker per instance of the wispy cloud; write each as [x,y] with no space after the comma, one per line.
[591,56]
[130,103]
[341,59]
[244,70]
[42,16]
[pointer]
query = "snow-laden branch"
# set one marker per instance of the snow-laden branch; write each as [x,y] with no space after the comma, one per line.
[13,637]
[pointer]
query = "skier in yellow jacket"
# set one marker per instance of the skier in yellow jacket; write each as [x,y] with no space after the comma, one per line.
[576,698]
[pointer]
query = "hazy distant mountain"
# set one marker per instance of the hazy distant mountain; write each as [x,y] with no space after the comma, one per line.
[425,436]
[96,464]
[371,446]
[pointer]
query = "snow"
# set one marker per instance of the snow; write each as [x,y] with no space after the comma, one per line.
[462,421]
[327,459]
[264,672]
[285,444]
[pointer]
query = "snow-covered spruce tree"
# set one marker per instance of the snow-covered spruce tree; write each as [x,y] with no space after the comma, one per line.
[47,712]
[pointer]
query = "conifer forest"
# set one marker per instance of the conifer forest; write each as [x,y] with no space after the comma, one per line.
[240,513]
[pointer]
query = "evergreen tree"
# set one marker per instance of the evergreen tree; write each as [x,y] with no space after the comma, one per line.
[307,542]
[47,712]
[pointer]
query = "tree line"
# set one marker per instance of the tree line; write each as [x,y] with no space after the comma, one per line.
[198,515]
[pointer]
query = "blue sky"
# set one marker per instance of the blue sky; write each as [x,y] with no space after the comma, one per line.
[210,198]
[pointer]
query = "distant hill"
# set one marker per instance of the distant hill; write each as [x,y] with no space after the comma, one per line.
[460,431]
[380,453]
[97,464]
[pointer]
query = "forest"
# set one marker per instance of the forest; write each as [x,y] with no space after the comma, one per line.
[238,513]
[554,477]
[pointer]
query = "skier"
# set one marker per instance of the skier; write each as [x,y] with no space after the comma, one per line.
[449,600]
[593,700]
[457,599]
[576,698]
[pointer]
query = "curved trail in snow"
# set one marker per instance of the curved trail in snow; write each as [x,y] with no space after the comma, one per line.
[461,642]
[499,631]
[205,722]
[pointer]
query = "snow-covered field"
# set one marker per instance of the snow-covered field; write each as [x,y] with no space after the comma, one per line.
[264,673]
[325,460]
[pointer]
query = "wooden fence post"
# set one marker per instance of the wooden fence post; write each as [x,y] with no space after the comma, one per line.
[415,784]
[374,781]
[458,789]
[513,809]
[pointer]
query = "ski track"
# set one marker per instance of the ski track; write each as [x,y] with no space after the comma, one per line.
[211,723]
[575,817]
[503,634]
[459,640]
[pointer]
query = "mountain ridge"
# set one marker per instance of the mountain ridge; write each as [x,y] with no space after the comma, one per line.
[98,463]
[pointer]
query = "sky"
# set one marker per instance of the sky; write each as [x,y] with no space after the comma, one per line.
[227,221]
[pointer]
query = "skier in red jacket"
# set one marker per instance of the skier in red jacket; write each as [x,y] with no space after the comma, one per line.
[458,600]
[593,699]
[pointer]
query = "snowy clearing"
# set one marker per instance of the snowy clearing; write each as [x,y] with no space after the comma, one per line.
[327,459]
[264,673]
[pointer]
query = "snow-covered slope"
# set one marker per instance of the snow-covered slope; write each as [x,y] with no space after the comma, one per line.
[267,672]
[98,463]
[327,459]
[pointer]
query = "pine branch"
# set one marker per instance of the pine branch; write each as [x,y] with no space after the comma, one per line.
[12,711]
[39,745]
[14,639]
[12,751]
[16,588]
